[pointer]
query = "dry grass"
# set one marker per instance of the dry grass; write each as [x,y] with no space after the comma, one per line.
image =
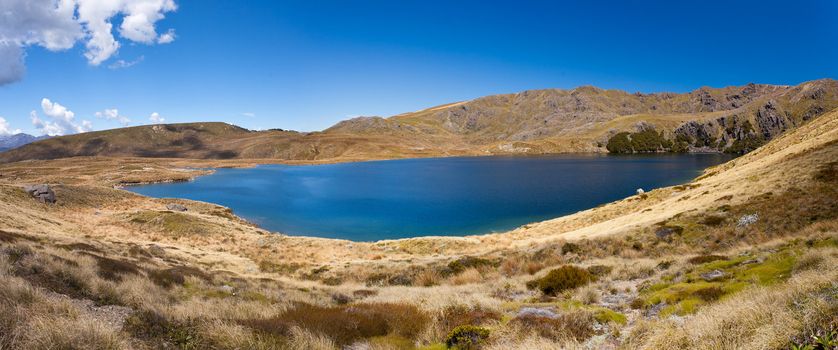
[80,274]
[758,318]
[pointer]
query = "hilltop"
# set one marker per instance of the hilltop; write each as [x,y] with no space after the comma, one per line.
[585,119]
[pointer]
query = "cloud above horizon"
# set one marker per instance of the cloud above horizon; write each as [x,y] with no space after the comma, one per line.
[59,25]
[6,129]
[61,120]
[156,118]
[113,114]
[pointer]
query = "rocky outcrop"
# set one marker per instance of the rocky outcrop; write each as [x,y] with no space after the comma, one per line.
[175,207]
[43,193]
[772,121]
[697,134]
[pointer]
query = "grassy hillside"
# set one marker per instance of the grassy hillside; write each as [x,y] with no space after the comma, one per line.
[743,257]
[732,119]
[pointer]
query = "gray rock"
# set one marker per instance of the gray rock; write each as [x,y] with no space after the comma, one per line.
[747,220]
[752,261]
[537,312]
[176,207]
[43,193]
[713,275]
[664,232]
[157,251]
[654,310]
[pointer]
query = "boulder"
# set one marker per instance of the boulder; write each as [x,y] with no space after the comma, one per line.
[42,193]
[537,312]
[747,220]
[175,207]
[713,275]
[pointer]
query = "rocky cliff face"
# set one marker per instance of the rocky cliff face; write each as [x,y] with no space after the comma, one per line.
[752,124]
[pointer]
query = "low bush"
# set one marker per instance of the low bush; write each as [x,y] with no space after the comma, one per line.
[713,220]
[458,315]
[561,279]
[153,327]
[112,269]
[703,259]
[577,324]
[175,275]
[364,293]
[467,262]
[827,172]
[709,293]
[600,270]
[348,323]
[568,248]
[467,337]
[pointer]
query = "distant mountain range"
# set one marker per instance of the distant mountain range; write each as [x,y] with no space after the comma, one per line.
[585,119]
[8,142]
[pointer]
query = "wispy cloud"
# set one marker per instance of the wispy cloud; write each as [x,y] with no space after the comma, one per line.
[249,114]
[119,64]
[113,114]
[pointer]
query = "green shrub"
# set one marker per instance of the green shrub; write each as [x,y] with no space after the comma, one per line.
[561,279]
[467,337]
[619,143]
[644,141]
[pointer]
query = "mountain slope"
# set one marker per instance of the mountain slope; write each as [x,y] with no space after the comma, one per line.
[585,119]
[8,142]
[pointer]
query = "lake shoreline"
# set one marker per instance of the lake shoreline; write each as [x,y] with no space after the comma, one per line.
[638,162]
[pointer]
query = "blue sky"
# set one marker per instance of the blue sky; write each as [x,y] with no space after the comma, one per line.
[305,65]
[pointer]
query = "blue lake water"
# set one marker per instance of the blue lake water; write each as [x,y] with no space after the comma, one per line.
[368,201]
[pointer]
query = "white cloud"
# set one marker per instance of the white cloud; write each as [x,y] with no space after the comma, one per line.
[249,115]
[156,118]
[113,114]
[6,129]
[61,122]
[166,37]
[138,24]
[119,64]
[58,24]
